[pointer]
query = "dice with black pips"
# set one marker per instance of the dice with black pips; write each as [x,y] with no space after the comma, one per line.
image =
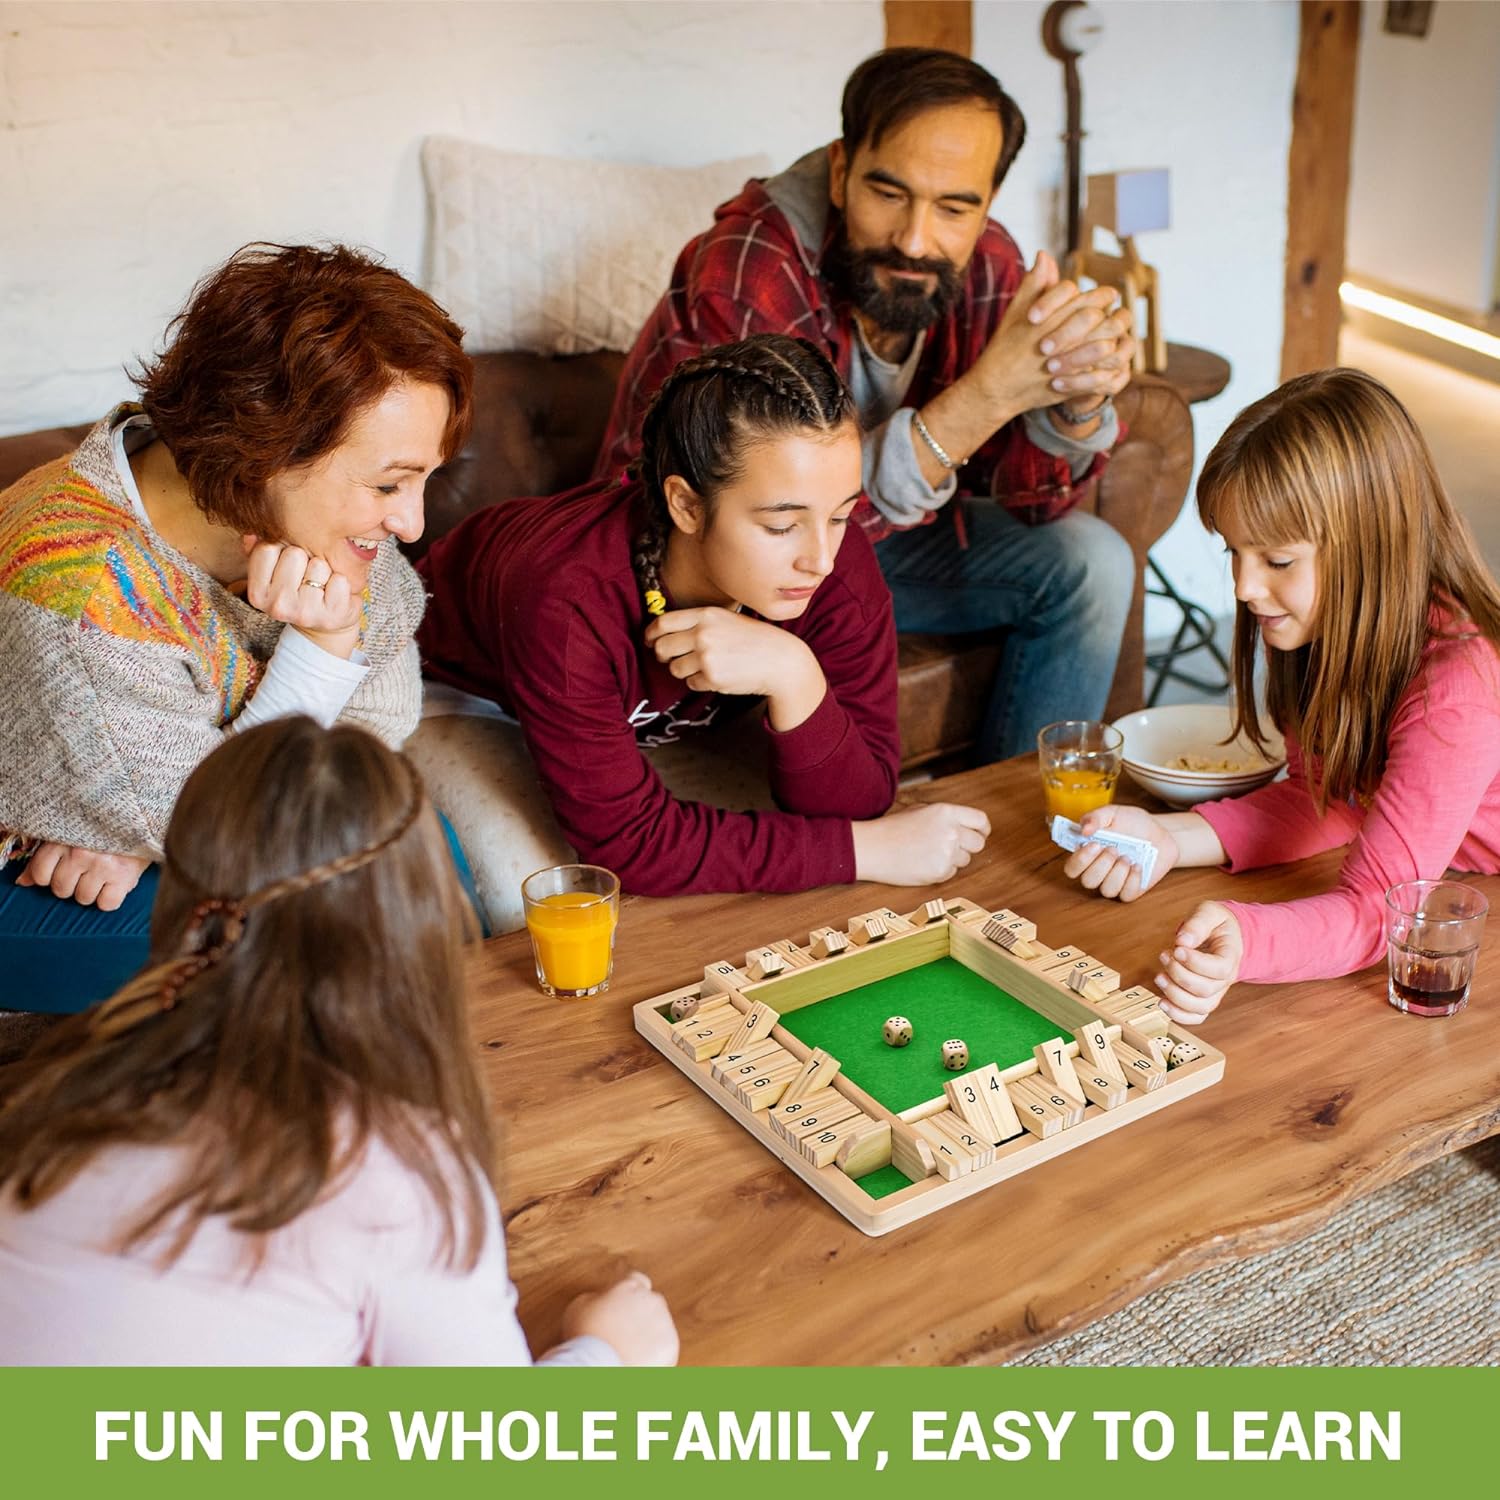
[1184,1052]
[684,1006]
[955,1055]
[897,1031]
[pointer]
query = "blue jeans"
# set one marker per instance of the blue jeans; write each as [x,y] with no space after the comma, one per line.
[59,957]
[1062,590]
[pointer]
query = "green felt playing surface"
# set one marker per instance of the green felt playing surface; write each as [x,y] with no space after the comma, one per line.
[941,999]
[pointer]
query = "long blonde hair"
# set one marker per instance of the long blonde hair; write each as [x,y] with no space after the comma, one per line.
[1333,458]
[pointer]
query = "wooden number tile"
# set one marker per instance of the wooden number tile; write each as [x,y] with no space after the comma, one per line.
[787,1111]
[1043,958]
[1001,1107]
[952,1160]
[1069,962]
[869,929]
[756,1022]
[868,1150]
[813,1116]
[731,1074]
[721,977]
[818,1072]
[982,1151]
[1070,1109]
[821,1149]
[796,958]
[764,963]
[910,1154]
[751,1054]
[935,910]
[1034,1113]
[827,942]
[1093,984]
[703,1041]
[1141,1070]
[762,1091]
[705,1017]
[1107,1093]
[895,924]
[1094,1051]
[969,1100]
[1013,933]
[1056,1068]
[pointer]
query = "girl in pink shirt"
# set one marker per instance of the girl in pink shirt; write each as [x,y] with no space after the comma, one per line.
[1379,622]
[272,1147]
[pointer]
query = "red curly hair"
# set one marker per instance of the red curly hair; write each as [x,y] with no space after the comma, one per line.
[274,356]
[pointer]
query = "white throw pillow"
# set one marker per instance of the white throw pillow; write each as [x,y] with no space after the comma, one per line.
[553,255]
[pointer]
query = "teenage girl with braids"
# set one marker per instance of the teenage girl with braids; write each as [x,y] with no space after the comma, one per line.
[618,615]
[1379,625]
[272,1147]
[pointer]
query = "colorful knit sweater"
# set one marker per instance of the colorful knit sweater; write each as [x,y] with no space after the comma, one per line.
[122,664]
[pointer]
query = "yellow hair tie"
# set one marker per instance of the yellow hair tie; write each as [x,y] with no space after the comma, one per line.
[656,602]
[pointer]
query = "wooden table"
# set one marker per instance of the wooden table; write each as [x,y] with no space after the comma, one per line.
[613,1159]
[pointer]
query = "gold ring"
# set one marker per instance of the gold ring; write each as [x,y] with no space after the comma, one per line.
[308,583]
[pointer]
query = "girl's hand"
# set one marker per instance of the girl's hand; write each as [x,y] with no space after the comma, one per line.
[714,650]
[86,876]
[919,845]
[1203,964]
[1096,868]
[632,1319]
[301,590]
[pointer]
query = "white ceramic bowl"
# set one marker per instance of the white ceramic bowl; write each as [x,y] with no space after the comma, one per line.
[1157,737]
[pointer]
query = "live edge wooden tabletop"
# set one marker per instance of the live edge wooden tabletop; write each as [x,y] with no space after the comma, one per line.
[612,1158]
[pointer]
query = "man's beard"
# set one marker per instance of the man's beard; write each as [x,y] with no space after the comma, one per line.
[903,307]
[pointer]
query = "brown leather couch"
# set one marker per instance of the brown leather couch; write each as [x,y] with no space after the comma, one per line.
[537,429]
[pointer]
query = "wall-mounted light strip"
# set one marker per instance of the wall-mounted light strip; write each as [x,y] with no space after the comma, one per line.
[1439,327]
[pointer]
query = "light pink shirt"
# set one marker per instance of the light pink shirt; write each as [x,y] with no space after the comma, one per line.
[1437,807]
[355,1280]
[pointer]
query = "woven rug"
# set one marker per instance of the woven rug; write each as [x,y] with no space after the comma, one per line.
[1409,1275]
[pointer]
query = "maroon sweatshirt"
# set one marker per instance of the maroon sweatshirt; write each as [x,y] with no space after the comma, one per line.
[535,606]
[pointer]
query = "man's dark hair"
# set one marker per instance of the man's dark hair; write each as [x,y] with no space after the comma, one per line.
[888,89]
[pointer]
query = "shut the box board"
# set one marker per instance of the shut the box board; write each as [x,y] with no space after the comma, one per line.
[793,1044]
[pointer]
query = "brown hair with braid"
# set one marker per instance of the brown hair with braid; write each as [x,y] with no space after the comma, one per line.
[710,408]
[305,993]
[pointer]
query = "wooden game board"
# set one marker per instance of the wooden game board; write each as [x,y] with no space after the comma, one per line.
[881,1166]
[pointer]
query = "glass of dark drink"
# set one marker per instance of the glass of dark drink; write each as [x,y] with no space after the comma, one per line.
[1432,930]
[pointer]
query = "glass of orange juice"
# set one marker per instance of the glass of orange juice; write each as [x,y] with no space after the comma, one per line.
[571,911]
[1080,766]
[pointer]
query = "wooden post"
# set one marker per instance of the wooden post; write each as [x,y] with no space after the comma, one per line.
[930,23]
[1318,184]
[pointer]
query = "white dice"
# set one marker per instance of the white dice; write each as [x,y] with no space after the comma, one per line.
[1184,1052]
[955,1055]
[897,1031]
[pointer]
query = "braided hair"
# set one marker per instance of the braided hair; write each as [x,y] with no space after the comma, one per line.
[707,409]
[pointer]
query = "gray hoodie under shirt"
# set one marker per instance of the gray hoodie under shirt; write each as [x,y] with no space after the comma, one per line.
[893,477]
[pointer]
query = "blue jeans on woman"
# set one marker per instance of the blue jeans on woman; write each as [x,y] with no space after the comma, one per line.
[1062,590]
[60,957]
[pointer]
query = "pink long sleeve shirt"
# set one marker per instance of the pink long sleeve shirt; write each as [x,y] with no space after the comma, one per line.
[356,1279]
[1437,808]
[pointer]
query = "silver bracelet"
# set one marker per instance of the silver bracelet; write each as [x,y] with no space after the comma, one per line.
[938,451]
[1075,419]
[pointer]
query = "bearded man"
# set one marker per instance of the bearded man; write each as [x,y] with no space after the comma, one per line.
[984,387]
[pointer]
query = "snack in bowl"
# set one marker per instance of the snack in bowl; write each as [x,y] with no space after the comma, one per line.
[1183,753]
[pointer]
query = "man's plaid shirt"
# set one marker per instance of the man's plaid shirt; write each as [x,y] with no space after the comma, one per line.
[750,273]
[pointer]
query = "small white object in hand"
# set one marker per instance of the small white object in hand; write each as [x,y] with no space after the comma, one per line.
[1139,852]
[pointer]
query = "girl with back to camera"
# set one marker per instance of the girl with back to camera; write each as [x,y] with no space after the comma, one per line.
[271,1146]
[1379,623]
[618,616]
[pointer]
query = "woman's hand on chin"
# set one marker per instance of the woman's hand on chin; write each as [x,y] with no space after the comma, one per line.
[86,876]
[301,590]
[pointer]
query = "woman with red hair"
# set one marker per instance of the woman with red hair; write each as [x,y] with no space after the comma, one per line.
[218,555]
